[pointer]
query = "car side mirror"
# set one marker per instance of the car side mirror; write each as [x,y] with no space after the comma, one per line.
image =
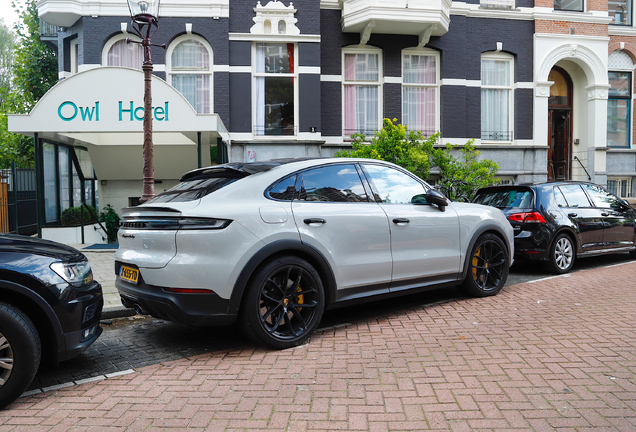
[434,196]
[625,205]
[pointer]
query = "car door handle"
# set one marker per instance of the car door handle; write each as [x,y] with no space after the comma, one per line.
[572,215]
[604,214]
[310,221]
[401,221]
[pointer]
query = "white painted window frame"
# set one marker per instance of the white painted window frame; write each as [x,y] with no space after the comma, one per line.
[379,83]
[494,55]
[112,41]
[74,52]
[436,86]
[210,71]
[631,101]
[618,181]
[256,75]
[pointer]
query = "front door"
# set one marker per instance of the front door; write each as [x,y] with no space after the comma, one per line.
[560,126]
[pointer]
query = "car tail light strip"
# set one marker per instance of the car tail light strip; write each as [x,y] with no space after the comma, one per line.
[527,217]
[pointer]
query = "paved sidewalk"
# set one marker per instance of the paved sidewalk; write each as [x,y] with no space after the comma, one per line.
[555,354]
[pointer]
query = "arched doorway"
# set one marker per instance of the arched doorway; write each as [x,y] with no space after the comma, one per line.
[560,125]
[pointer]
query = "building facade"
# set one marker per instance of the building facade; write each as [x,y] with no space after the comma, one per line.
[543,87]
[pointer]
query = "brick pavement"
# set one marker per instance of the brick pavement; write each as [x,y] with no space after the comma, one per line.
[556,354]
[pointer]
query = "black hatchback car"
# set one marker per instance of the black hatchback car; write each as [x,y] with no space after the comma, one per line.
[50,308]
[557,222]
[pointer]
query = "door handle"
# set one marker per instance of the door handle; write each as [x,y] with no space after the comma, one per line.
[572,215]
[310,221]
[401,221]
[604,214]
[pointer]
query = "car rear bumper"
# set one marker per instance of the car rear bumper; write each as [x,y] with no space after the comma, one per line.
[200,309]
[532,245]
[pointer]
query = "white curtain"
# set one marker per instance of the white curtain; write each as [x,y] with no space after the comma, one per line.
[260,89]
[126,55]
[361,101]
[191,56]
[495,102]
[418,103]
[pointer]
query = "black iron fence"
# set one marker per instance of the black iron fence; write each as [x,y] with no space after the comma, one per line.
[18,203]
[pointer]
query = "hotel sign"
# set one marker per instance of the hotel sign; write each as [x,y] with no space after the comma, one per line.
[126,111]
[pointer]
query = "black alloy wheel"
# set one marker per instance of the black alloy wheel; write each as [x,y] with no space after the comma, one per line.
[487,267]
[284,303]
[20,353]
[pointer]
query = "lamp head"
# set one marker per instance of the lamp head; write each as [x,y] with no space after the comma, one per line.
[144,11]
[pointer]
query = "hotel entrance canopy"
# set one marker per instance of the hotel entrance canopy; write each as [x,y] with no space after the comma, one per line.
[102,110]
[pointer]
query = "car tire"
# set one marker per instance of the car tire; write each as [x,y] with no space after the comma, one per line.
[20,353]
[487,267]
[562,254]
[283,303]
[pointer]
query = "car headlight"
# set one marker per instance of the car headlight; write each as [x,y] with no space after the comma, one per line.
[76,274]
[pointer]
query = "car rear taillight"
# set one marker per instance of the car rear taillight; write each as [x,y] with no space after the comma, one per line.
[188,291]
[527,217]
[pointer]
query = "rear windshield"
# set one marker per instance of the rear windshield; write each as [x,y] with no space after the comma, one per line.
[196,188]
[505,198]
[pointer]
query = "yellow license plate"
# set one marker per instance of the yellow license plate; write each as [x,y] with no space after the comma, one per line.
[129,274]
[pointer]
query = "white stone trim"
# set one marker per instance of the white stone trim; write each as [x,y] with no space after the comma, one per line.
[523,85]
[392,80]
[249,37]
[330,4]
[240,69]
[331,78]
[461,82]
[221,68]
[313,70]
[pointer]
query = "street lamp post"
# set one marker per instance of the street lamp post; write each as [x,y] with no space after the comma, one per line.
[145,16]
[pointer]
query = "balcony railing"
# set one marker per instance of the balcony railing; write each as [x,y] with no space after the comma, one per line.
[274,130]
[410,17]
[498,4]
[497,135]
[47,30]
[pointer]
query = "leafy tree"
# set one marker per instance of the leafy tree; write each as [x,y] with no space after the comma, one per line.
[33,73]
[7,45]
[393,143]
[460,175]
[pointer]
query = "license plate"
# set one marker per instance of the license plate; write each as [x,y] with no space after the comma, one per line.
[129,274]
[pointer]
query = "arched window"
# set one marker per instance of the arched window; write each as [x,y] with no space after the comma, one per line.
[119,53]
[282,27]
[190,71]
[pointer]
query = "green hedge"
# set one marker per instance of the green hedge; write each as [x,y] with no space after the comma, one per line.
[76,215]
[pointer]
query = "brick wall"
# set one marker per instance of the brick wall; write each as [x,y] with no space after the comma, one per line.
[566,27]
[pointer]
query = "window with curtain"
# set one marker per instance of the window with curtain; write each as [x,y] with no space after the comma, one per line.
[619,108]
[419,92]
[275,81]
[496,98]
[361,93]
[621,187]
[620,11]
[191,72]
[126,55]
[569,5]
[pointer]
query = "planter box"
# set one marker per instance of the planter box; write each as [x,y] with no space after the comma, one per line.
[93,233]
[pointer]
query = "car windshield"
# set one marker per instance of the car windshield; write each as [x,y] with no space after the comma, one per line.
[505,198]
[196,188]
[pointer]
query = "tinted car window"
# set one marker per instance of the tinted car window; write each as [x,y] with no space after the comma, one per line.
[194,189]
[574,196]
[335,183]
[505,198]
[284,190]
[601,197]
[559,198]
[394,186]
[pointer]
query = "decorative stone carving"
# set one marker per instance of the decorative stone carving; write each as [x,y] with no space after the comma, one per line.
[275,18]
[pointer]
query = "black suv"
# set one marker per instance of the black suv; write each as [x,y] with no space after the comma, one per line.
[50,307]
[556,222]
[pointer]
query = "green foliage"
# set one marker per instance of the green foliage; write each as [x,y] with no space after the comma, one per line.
[393,143]
[111,219]
[7,46]
[76,215]
[460,176]
[32,72]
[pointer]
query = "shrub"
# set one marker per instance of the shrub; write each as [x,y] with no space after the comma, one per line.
[76,215]
[111,219]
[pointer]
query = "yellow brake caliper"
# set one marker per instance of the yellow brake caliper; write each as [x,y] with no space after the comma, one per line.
[475,263]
